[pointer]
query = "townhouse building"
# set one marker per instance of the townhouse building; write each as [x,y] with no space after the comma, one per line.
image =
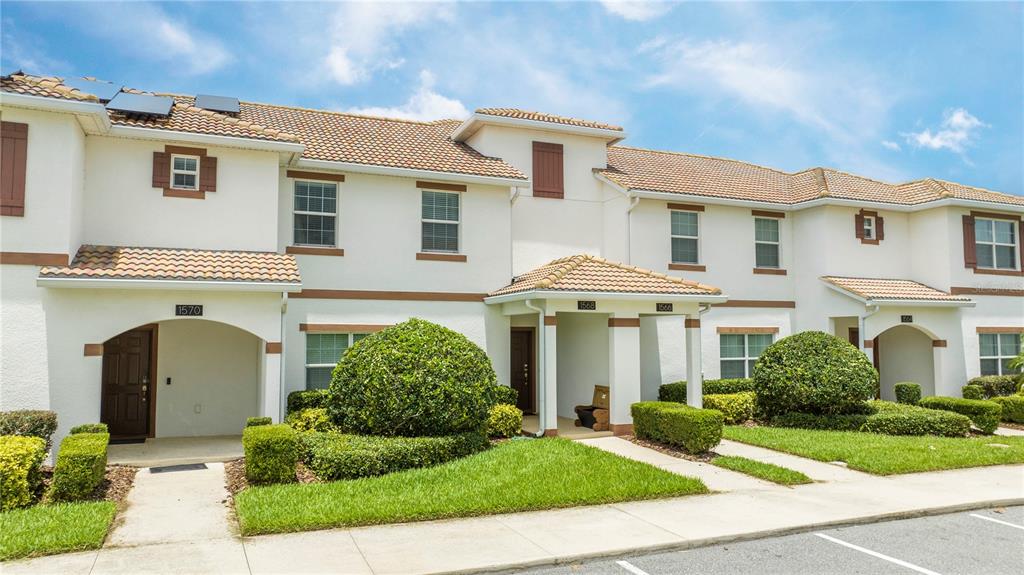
[173,264]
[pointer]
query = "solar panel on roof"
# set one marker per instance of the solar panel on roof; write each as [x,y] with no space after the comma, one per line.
[225,104]
[105,91]
[143,104]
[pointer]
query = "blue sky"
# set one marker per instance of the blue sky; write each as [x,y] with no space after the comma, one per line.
[894,91]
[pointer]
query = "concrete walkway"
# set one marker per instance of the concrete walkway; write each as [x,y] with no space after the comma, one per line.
[176,451]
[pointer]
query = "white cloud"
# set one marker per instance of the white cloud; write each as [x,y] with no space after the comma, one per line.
[958,131]
[637,11]
[424,104]
[890,145]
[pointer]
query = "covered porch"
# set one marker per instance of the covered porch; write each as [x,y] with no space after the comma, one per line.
[576,324]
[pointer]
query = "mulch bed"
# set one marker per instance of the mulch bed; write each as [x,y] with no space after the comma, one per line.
[117,482]
[1019,426]
[235,481]
[670,450]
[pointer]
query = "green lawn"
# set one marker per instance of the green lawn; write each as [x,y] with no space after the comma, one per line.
[761,470]
[883,454]
[516,475]
[48,529]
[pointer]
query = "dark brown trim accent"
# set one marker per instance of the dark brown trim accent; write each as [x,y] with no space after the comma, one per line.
[623,322]
[986,291]
[440,186]
[995,272]
[757,303]
[770,271]
[314,251]
[995,215]
[688,267]
[869,242]
[551,320]
[432,257]
[747,330]
[685,207]
[869,343]
[621,428]
[301,175]
[767,214]
[93,350]
[691,323]
[548,170]
[33,259]
[939,343]
[13,168]
[190,194]
[342,327]
[185,151]
[387,295]
[273,347]
[990,329]
[550,433]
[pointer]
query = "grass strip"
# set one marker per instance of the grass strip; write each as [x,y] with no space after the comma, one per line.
[884,454]
[518,475]
[761,470]
[49,529]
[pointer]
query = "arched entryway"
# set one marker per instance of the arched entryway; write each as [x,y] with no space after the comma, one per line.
[905,353]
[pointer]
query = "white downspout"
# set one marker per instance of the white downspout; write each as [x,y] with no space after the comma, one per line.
[280,364]
[541,375]
[860,326]
[516,191]
[634,201]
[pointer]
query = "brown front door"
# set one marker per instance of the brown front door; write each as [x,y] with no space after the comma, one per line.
[126,383]
[523,374]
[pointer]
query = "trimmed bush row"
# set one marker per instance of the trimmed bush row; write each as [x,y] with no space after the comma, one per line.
[677,424]
[907,392]
[676,392]
[29,423]
[884,417]
[333,456]
[502,395]
[89,428]
[996,385]
[984,414]
[504,421]
[20,458]
[310,419]
[972,392]
[1013,408]
[270,453]
[306,399]
[81,462]
[255,421]
[735,407]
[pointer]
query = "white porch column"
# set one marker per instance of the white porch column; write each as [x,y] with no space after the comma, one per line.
[550,407]
[623,370]
[270,391]
[694,362]
[939,353]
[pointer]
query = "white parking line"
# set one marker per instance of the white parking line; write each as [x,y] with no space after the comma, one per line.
[877,554]
[631,568]
[994,520]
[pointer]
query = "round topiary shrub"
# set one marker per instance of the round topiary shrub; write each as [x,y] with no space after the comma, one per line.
[412,379]
[813,372]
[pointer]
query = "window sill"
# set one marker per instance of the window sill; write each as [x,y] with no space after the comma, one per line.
[869,241]
[190,194]
[314,251]
[438,257]
[770,271]
[688,267]
[995,272]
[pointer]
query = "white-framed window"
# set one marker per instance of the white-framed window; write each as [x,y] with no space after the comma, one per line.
[766,243]
[869,227]
[685,236]
[323,350]
[996,351]
[184,172]
[996,243]
[739,352]
[440,221]
[316,210]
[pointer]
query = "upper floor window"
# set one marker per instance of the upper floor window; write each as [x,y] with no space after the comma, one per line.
[440,221]
[766,243]
[323,350]
[548,176]
[996,351]
[316,208]
[739,352]
[685,228]
[869,227]
[996,243]
[184,172]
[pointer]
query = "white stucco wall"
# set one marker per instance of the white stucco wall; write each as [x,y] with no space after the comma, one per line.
[905,354]
[582,359]
[24,371]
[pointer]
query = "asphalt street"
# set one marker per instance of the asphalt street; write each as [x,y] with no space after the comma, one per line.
[985,542]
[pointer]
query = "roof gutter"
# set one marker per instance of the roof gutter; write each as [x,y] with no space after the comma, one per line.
[378,170]
[95,110]
[473,123]
[207,285]
[553,294]
[209,139]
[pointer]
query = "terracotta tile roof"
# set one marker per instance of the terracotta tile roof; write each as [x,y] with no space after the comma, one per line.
[874,289]
[542,117]
[186,117]
[47,87]
[586,273]
[116,262]
[673,172]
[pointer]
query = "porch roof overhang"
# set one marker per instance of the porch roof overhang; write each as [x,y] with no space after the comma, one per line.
[894,292]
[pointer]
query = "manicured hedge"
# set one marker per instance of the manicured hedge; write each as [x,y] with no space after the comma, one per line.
[306,399]
[883,417]
[972,392]
[735,407]
[412,379]
[677,424]
[996,385]
[984,414]
[334,456]
[504,421]
[907,392]
[676,392]
[256,421]
[1013,408]
[29,423]
[81,462]
[20,458]
[270,453]
[310,419]
[503,395]
[89,428]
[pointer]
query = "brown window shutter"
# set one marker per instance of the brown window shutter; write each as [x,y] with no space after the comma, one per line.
[970,252]
[208,174]
[858,222]
[879,228]
[13,163]
[161,170]
[548,176]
